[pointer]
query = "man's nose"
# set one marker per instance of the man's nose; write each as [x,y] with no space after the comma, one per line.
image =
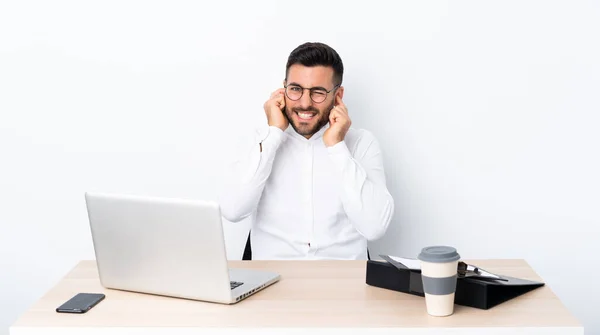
[305,101]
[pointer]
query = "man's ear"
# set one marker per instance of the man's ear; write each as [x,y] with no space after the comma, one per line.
[284,82]
[339,93]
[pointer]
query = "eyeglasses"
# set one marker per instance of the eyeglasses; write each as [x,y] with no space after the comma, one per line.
[317,94]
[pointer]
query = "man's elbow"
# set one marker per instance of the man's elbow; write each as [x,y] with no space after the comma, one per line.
[374,232]
[231,209]
[233,214]
[376,229]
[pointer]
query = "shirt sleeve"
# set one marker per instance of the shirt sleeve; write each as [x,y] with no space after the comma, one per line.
[364,195]
[247,174]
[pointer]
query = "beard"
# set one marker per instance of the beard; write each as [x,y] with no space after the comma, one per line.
[308,127]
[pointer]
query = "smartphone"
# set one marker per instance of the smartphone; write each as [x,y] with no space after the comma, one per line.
[81,303]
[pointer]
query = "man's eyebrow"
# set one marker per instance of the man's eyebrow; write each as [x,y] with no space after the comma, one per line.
[312,88]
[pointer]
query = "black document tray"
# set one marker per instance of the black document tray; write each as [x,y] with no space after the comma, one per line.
[472,292]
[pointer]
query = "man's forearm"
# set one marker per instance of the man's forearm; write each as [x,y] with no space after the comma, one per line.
[364,195]
[247,176]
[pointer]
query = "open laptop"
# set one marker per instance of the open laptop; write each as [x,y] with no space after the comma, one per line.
[167,247]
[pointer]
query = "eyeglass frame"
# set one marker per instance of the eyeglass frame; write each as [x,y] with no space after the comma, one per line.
[311,90]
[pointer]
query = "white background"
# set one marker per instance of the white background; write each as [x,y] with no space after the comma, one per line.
[487,113]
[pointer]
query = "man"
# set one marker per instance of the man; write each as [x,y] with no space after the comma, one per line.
[314,187]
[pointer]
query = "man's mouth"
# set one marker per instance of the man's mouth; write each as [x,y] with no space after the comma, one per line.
[305,115]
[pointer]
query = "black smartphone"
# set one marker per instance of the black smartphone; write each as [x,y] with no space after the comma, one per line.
[81,303]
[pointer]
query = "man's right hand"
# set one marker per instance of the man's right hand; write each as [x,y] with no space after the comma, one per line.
[274,110]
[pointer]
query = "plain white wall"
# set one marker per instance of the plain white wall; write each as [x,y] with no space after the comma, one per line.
[487,113]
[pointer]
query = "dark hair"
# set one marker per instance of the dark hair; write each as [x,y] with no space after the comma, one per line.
[314,54]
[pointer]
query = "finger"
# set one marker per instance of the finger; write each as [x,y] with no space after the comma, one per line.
[342,117]
[334,115]
[340,105]
[278,99]
[277,93]
[342,110]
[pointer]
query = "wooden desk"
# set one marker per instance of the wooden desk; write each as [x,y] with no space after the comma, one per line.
[312,296]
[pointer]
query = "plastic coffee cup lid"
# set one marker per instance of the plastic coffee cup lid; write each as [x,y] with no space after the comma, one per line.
[439,254]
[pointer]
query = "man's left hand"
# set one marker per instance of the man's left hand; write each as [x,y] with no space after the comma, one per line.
[339,123]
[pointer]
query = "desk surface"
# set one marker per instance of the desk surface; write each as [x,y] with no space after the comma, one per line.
[320,295]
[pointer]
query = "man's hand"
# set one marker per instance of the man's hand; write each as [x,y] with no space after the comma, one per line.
[274,110]
[339,123]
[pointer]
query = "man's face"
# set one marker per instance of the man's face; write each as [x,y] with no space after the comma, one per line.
[306,116]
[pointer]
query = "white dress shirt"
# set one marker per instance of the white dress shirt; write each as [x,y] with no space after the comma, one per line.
[308,201]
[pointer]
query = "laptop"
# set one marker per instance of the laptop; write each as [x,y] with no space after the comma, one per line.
[169,247]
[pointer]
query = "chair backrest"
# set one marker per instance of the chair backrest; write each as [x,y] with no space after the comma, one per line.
[247,256]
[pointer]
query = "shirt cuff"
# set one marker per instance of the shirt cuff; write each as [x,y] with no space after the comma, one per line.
[339,154]
[272,139]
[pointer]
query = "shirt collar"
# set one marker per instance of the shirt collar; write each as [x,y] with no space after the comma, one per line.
[290,130]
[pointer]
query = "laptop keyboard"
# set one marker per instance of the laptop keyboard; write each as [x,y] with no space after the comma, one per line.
[235,284]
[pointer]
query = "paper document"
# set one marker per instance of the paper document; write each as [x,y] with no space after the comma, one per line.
[413,264]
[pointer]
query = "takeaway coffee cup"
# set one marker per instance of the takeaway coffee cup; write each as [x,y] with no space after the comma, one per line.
[439,272]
